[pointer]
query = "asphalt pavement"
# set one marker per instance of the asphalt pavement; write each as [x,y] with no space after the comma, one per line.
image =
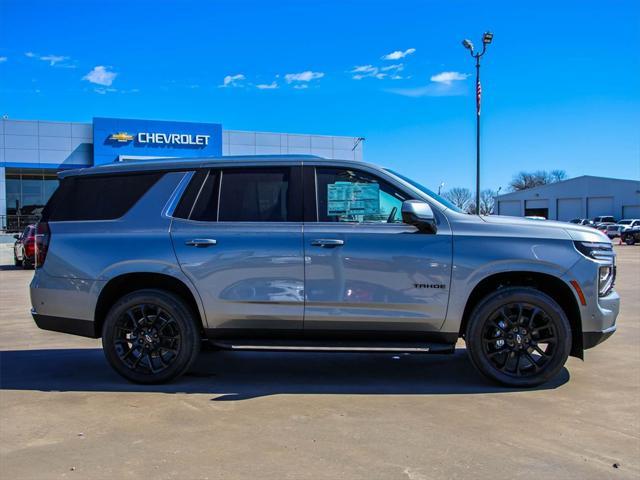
[65,414]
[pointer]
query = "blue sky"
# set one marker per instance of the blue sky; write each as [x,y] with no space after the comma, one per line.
[561,82]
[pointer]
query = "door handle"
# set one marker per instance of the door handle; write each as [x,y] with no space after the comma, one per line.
[201,242]
[327,242]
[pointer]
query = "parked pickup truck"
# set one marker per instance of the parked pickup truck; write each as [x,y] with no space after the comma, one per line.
[302,253]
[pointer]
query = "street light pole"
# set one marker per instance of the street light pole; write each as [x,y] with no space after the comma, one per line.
[486,40]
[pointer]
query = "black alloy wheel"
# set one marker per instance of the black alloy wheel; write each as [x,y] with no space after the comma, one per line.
[519,337]
[150,336]
[147,338]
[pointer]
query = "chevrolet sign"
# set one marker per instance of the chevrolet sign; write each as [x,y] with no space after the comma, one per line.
[163,138]
[121,137]
[173,138]
[116,138]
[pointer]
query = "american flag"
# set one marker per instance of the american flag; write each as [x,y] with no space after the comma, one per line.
[478,96]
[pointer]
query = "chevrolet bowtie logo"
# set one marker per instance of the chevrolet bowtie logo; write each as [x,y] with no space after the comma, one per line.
[121,137]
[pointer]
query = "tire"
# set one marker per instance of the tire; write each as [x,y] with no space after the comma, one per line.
[150,336]
[26,264]
[630,240]
[16,262]
[509,357]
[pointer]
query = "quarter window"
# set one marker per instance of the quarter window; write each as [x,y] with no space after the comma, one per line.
[346,195]
[98,197]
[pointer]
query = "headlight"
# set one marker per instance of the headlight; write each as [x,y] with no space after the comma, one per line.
[601,252]
[606,276]
[596,250]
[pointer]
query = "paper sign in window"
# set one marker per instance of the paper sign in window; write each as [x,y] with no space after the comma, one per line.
[346,198]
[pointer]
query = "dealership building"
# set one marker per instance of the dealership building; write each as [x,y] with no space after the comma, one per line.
[580,197]
[32,152]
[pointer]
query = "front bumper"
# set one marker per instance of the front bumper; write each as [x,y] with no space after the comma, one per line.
[602,320]
[591,339]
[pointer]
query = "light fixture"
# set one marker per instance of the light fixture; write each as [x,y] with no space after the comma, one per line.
[487,38]
[467,44]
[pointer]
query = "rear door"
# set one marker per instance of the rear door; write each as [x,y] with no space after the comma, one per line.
[240,242]
[366,271]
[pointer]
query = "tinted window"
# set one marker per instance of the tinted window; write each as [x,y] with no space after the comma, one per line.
[206,207]
[97,197]
[346,195]
[255,195]
[183,209]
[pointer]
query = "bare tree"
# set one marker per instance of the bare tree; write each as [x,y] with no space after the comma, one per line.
[525,180]
[558,175]
[460,197]
[487,201]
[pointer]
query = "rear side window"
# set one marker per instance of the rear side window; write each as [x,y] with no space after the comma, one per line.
[246,195]
[254,195]
[97,197]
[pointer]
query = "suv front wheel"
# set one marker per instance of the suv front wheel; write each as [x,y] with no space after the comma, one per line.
[518,336]
[150,336]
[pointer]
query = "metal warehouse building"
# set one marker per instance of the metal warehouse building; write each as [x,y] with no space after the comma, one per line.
[580,197]
[32,152]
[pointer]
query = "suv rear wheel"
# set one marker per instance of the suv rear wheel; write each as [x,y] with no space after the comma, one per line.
[150,336]
[519,337]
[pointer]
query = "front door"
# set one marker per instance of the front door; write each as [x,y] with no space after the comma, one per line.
[365,269]
[241,246]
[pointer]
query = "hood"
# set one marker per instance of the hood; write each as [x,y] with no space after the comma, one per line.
[576,232]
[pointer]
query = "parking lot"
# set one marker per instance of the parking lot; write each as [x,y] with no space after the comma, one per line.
[65,414]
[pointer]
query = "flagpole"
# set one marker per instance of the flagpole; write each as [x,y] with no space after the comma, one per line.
[478,100]
[487,38]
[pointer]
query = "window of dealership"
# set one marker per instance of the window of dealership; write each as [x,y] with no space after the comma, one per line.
[27,192]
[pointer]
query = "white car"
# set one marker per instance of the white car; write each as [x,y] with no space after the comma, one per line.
[628,223]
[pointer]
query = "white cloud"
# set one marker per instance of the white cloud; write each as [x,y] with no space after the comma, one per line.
[398,54]
[305,76]
[301,86]
[398,67]
[3,59]
[267,86]
[53,59]
[448,77]
[101,75]
[232,80]
[363,71]
[104,91]
[443,84]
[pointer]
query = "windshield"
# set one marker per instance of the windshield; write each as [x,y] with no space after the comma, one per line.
[424,189]
[624,222]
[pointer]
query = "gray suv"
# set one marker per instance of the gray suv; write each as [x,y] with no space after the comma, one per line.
[303,253]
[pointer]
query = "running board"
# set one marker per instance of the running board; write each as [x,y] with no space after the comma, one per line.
[336,346]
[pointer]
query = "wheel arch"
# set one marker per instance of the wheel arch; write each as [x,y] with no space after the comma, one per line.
[551,285]
[126,283]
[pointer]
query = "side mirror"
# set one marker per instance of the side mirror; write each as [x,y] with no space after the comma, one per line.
[17,236]
[420,215]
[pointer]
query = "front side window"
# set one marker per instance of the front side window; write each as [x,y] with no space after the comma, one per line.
[347,195]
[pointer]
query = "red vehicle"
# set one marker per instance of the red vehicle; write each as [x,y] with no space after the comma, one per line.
[24,250]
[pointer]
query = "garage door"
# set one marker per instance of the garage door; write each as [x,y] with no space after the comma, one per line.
[511,208]
[569,208]
[631,211]
[536,208]
[597,206]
